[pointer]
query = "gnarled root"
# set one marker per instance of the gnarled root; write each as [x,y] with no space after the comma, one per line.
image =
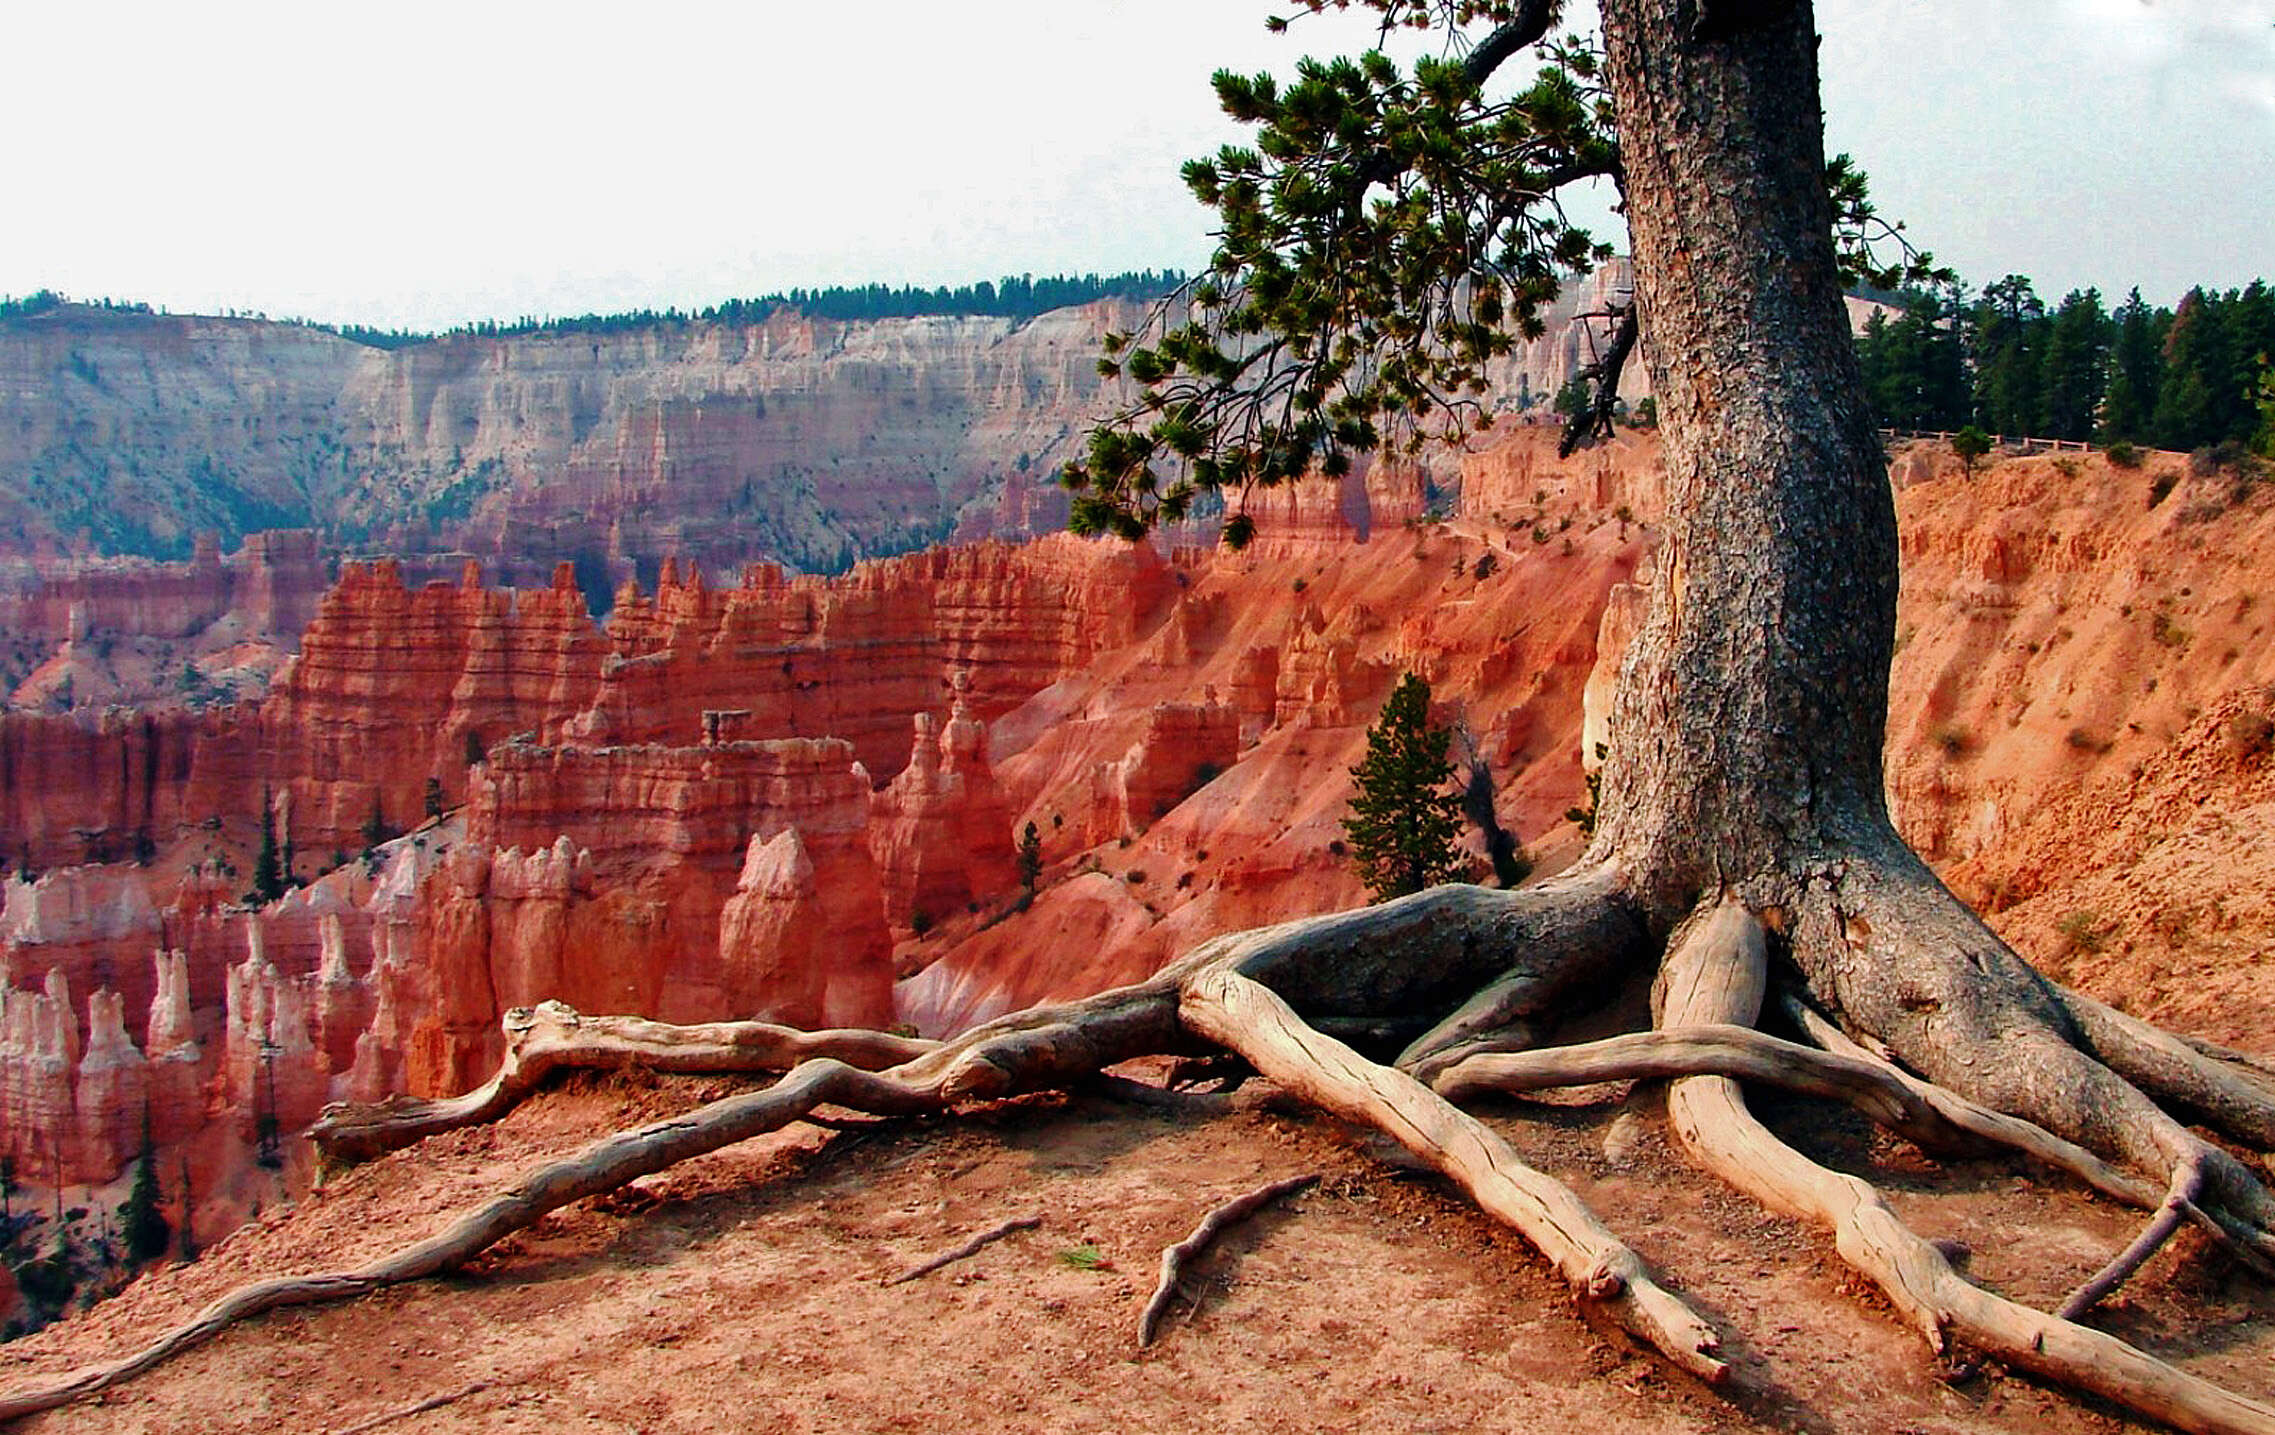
[2230,1091]
[1527,949]
[2007,1058]
[1037,1050]
[552,1036]
[1927,1116]
[1888,948]
[1715,973]
[2187,1185]
[1252,1020]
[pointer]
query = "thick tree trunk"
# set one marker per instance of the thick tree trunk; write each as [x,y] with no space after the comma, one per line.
[1747,729]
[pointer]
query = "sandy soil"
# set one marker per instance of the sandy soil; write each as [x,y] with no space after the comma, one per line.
[744,1291]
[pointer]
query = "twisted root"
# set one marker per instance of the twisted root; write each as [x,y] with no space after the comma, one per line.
[2007,1060]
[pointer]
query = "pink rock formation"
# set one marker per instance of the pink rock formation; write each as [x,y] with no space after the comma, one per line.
[95,926]
[175,1060]
[37,1054]
[941,834]
[1185,745]
[112,1088]
[269,1062]
[798,949]
[269,588]
[603,877]
[394,688]
[85,786]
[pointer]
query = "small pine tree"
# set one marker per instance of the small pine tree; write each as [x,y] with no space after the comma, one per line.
[434,797]
[268,866]
[1970,443]
[1404,821]
[1030,858]
[141,1223]
[189,1222]
[375,826]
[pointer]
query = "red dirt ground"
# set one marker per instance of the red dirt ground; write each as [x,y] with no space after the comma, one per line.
[744,1291]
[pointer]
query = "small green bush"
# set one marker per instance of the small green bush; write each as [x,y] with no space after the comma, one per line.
[1971,444]
[1085,1257]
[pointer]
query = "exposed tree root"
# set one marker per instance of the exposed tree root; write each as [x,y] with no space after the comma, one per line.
[2187,1185]
[1715,972]
[1927,1116]
[1995,1126]
[1504,964]
[969,1248]
[1219,1217]
[1251,1019]
[2228,1090]
[2257,1067]
[553,1037]
[1043,1048]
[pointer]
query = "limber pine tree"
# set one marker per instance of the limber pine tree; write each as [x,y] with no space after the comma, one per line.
[142,1225]
[1404,821]
[270,870]
[1386,228]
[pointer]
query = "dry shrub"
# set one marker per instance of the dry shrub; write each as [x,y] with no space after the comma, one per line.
[2251,737]
[2082,931]
[2082,740]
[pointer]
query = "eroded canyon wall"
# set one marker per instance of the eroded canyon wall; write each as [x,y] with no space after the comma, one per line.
[806,442]
[662,820]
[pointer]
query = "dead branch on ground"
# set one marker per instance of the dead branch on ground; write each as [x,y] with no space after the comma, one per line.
[1218,1219]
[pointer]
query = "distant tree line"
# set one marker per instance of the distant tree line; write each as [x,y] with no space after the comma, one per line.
[40,301]
[2181,378]
[1021,296]
[1017,296]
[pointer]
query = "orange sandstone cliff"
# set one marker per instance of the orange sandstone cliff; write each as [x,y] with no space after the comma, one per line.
[775,797]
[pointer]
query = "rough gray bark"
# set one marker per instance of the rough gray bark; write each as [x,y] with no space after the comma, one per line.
[1747,727]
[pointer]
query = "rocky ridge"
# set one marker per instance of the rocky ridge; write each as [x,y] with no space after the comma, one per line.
[801,441]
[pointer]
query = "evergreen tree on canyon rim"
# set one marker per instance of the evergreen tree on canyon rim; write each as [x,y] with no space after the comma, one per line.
[1404,822]
[1386,235]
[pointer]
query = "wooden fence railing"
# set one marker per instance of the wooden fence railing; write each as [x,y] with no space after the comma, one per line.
[2010,442]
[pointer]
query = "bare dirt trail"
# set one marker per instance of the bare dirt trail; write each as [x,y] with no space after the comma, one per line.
[743,1291]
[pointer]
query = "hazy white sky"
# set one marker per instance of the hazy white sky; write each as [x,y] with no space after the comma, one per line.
[425,163]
